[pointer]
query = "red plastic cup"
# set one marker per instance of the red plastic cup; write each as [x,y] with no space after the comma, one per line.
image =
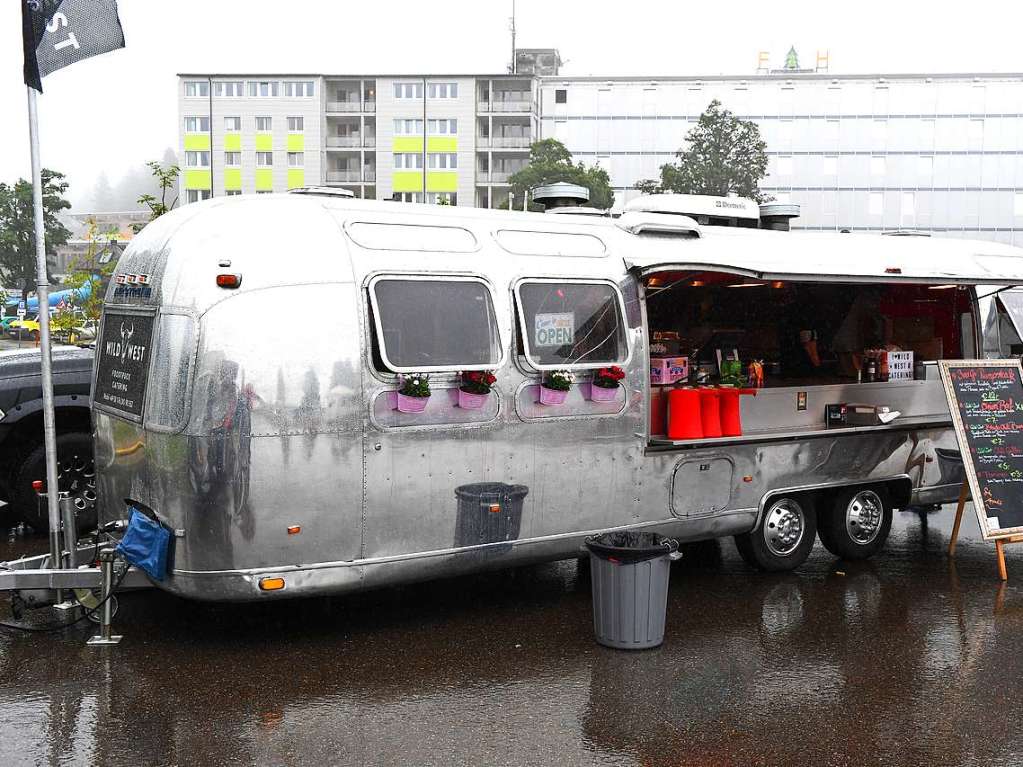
[684,420]
[710,412]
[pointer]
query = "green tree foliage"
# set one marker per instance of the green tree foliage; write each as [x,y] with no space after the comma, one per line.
[550,162]
[17,233]
[166,180]
[723,155]
[89,270]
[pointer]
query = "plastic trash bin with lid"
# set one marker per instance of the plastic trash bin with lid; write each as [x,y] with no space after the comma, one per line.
[629,573]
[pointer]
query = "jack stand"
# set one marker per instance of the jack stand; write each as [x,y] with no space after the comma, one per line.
[106,563]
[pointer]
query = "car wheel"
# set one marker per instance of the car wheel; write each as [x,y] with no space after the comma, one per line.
[783,538]
[857,523]
[76,474]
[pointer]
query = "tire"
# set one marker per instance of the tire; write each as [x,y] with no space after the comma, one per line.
[784,536]
[856,524]
[76,473]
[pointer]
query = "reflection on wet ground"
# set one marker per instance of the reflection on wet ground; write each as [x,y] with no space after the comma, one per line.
[900,661]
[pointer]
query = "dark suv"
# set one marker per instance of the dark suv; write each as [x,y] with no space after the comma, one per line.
[22,457]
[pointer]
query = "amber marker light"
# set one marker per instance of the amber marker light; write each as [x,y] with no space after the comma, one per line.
[271,584]
[495,508]
[294,529]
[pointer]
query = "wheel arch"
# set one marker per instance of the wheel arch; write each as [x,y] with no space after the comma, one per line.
[71,413]
[898,487]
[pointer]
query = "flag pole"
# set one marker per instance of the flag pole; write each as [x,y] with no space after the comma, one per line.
[43,294]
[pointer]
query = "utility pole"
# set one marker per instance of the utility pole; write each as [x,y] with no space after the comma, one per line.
[513,63]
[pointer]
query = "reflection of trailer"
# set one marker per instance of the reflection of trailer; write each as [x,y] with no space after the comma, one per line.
[283,468]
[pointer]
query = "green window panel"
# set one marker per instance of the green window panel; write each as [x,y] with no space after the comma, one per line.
[197,179]
[232,142]
[264,142]
[407,181]
[441,181]
[442,144]
[264,179]
[408,144]
[233,178]
[296,142]
[296,177]
[197,142]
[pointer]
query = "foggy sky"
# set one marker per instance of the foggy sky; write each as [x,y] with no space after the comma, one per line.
[114,112]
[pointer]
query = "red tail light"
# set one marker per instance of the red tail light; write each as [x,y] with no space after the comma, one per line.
[229,280]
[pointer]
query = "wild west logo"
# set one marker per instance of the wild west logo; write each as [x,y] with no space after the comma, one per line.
[124,349]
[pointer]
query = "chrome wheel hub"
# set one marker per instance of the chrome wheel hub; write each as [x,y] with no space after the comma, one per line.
[76,475]
[863,516]
[784,526]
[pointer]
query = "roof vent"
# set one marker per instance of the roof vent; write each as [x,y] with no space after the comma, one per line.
[706,210]
[777,215]
[561,195]
[643,222]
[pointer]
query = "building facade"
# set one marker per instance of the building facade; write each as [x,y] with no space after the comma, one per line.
[933,152]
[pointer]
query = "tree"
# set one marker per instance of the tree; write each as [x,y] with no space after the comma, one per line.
[166,180]
[89,272]
[550,162]
[723,156]
[17,233]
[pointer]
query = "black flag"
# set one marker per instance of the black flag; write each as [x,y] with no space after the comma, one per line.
[57,33]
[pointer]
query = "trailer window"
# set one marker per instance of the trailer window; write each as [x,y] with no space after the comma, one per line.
[431,324]
[173,358]
[571,324]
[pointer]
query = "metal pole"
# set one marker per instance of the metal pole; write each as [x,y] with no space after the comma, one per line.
[106,563]
[67,516]
[43,295]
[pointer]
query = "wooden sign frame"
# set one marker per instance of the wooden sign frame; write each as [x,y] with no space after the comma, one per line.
[1002,534]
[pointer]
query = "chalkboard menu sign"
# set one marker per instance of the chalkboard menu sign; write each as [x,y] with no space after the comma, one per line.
[123,365]
[985,398]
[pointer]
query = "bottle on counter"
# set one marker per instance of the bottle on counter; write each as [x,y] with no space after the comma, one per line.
[871,370]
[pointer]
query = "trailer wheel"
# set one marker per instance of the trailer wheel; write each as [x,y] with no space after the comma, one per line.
[783,538]
[76,474]
[857,523]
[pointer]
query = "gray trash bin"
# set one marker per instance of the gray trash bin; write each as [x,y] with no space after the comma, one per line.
[629,573]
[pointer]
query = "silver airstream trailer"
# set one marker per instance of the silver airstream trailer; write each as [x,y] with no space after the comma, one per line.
[251,349]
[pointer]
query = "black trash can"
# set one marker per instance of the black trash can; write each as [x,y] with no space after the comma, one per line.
[629,571]
[489,512]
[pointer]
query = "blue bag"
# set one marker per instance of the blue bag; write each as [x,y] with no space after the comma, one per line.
[145,544]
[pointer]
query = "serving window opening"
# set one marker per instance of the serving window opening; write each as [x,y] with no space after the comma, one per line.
[717,328]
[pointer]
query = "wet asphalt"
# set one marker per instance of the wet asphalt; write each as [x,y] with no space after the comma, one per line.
[907,659]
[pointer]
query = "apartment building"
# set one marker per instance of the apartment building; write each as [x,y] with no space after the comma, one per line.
[869,152]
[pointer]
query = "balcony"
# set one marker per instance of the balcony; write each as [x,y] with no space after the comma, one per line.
[344,142]
[343,176]
[351,106]
[511,105]
[369,175]
[510,142]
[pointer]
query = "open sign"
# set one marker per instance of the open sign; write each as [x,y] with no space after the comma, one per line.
[554,329]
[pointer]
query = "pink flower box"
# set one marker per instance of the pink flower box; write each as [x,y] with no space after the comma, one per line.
[551,396]
[603,394]
[470,401]
[407,404]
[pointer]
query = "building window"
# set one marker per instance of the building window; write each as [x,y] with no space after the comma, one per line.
[232,192]
[879,131]
[194,195]
[408,127]
[1017,204]
[229,89]
[442,198]
[878,166]
[908,208]
[976,134]
[296,159]
[264,191]
[296,124]
[197,125]
[298,88]
[264,159]
[875,203]
[561,96]
[830,165]
[408,160]
[435,324]
[784,165]
[442,127]
[197,159]
[196,88]
[571,324]
[232,159]
[232,124]
[263,88]
[443,161]
[443,90]
[263,124]
[925,165]
[408,90]
[407,197]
